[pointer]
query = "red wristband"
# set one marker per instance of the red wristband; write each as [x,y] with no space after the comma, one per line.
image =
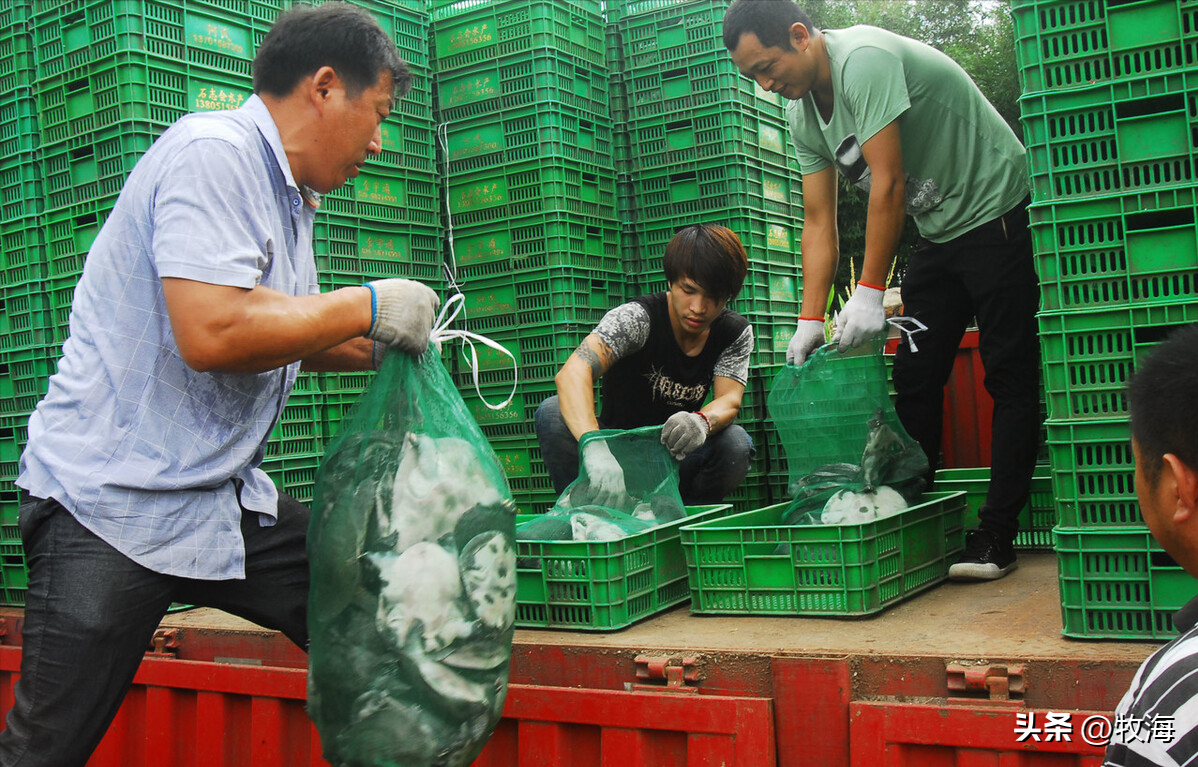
[867,285]
[813,319]
[700,414]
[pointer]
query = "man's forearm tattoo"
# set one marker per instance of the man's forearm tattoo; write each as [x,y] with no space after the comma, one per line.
[591,358]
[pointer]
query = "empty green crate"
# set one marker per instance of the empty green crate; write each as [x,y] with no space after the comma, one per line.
[407,143]
[1119,584]
[538,352]
[1117,250]
[70,233]
[712,132]
[700,81]
[382,195]
[22,253]
[666,36]
[294,475]
[546,186]
[1036,519]
[24,379]
[700,189]
[491,31]
[18,123]
[603,585]
[92,167]
[1111,138]
[768,238]
[1093,474]
[25,315]
[543,75]
[541,300]
[1067,43]
[1088,357]
[350,251]
[750,563]
[536,242]
[540,131]
[21,194]
[18,59]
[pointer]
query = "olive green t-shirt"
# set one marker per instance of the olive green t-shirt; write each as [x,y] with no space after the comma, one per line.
[964,165]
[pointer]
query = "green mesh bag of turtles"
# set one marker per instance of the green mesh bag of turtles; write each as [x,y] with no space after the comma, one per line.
[413,592]
[849,459]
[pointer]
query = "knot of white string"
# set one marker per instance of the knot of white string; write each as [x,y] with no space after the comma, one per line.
[442,332]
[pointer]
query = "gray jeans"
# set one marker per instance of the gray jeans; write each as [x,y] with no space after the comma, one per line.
[90,613]
[705,477]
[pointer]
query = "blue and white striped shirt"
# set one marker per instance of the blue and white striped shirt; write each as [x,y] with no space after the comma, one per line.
[141,448]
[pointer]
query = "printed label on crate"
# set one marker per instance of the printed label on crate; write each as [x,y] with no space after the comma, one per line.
[491,302]
[465,37]
[775,188]
[383,245]
[467,89]
[770,138]
[782,288]
[203,32]
[484,248]
[477,195]
[778,236]
[381,191]
[204,96]
[390,137]
[493,359]
[513,412]
[515,462]
[475,141]
[782,336]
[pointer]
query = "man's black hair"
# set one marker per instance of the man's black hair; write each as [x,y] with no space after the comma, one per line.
[335,34]
[709,254]
[770,20]
[1163,400]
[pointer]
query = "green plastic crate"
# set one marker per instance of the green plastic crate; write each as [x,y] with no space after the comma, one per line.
[22,253]
[387,195]
[664,37]
[541,76]
[545,186]
[539,353]
[93,167]
[1067,43]
[17,56]
[1120,250]
[1036,519]
[350,251]
[531,133]
[1110,138]
[489,31]
[544,299]
[1093,474]
[750,563]
[712,132]
[701,189]
[700,81]
[1090,356]
[25,317]
[534,243]
[18,123]
[602,586]
[1119,584]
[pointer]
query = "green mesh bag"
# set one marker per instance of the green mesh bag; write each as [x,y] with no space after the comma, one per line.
[644,495]
[413,594]
[842,437]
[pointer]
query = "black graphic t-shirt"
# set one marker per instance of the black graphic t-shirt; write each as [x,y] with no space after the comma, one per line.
[652,378]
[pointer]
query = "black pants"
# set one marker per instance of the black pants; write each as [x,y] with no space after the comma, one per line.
[987,273]
[90,613]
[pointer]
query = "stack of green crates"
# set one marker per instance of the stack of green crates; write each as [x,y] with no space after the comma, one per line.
[525,143]
[700,143]
[1109,126]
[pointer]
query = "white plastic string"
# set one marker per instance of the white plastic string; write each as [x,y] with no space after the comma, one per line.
[909,332]
[450,269]
[441,332]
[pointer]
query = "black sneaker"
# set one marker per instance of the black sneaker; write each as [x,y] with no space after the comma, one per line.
[985,558]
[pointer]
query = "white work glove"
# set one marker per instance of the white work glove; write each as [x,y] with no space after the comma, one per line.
[605,474]
[861,318]
[402,314]
[808,337]
[683,433]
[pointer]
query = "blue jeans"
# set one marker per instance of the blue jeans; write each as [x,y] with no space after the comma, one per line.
[706,476]
[90,613]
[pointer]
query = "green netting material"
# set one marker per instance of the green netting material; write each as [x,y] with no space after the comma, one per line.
[413,591]
[840,432]
[648,491]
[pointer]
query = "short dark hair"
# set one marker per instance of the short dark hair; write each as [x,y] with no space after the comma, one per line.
[770,20]
[709,254]
[335,34]
[1163,400]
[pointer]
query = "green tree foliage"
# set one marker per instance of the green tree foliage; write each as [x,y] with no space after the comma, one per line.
[977,34]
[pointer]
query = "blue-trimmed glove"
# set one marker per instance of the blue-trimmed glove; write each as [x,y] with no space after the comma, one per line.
[402,314]
[861,318]
[684,432]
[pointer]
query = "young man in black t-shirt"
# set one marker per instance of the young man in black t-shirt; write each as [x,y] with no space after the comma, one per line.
[659,357]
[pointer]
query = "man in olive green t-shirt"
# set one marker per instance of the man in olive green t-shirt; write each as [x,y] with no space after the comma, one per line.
[904,122]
